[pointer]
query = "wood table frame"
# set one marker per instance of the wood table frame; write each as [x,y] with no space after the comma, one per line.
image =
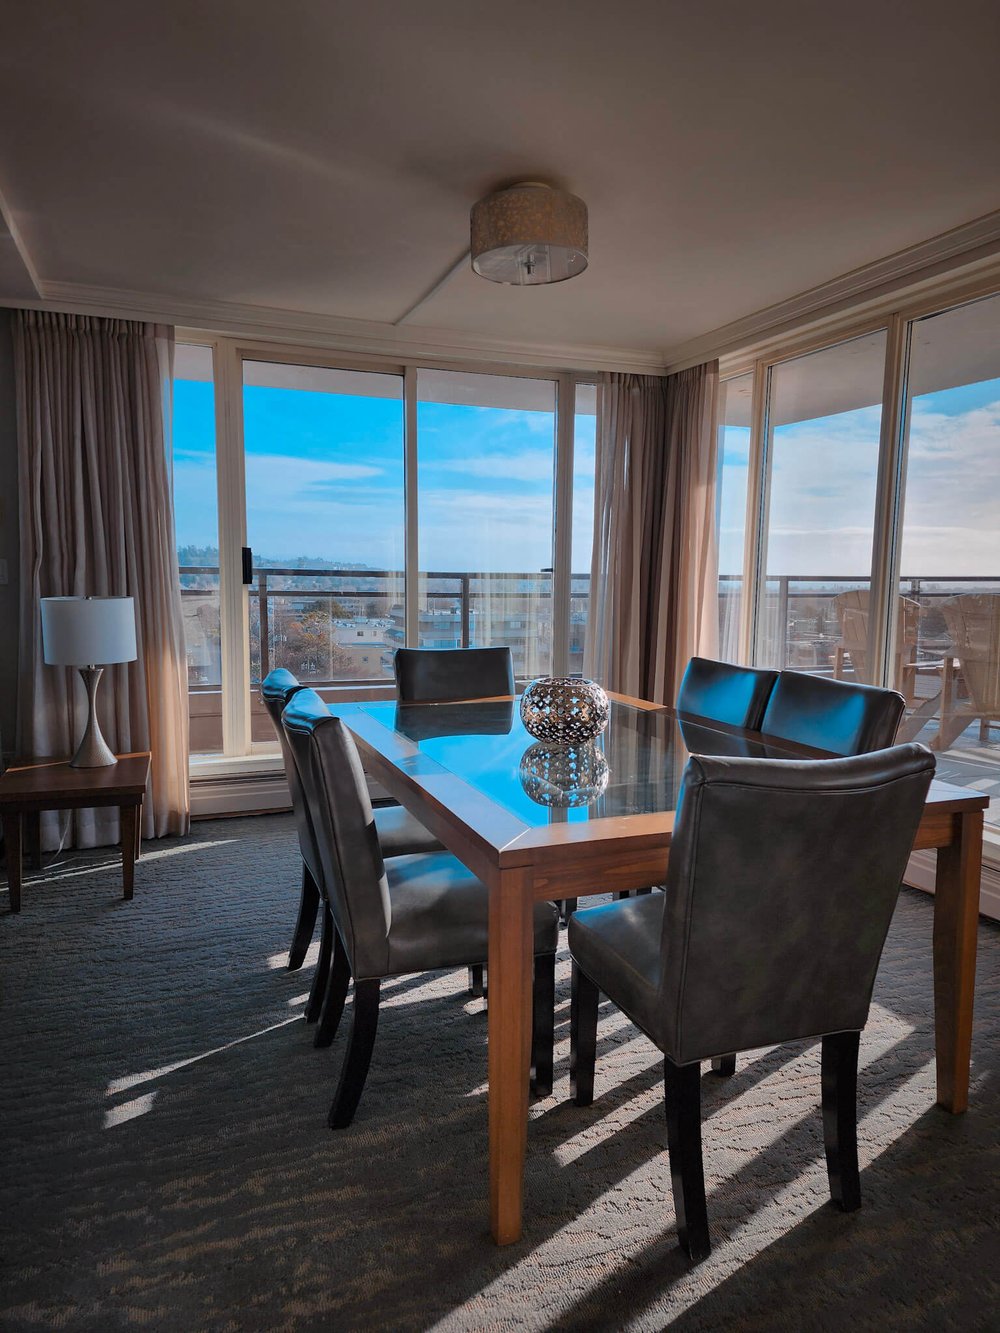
[28,789]
[522,865]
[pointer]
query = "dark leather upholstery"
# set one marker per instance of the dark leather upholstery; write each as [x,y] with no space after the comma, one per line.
[437,674]
[417,913]
[622,940]
[399,833]
[782,880]
[483,718]
[835,715]
[726,693]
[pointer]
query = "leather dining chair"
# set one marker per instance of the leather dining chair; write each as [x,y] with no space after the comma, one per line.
[440,675]
[399,835]
[392,917]
[842,717]
[836,715]
[725,693]
[799,913]
[436,675]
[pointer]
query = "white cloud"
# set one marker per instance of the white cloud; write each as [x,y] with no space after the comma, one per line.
[522,465]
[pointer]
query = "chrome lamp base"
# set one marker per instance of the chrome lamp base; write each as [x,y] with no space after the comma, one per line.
[93,750]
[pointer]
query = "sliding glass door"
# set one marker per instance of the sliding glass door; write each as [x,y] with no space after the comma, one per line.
[947,642]
[324,464]
[327,515]
[485,477]
[196,521]
[822,454]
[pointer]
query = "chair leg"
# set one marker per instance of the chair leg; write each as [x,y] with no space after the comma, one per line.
[543,1023]
[306,923]
[584,998]
[476,981]
[724,1066]
[567,906]
[840,1117]
[682,1097]
[336,994]
[364,1026]
[317,990]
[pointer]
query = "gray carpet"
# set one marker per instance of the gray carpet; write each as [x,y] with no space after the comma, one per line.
[166,1163]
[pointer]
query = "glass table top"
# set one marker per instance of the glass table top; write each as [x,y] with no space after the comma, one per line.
[634,768]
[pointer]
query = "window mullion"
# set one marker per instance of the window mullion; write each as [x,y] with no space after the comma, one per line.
[888,503]
[233,604]
[756,517]
[411,565]
[562,511]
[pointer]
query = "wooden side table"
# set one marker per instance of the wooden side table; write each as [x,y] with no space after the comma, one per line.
[28,789]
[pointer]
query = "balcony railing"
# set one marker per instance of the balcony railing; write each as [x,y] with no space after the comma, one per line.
[323,623]
[327,625]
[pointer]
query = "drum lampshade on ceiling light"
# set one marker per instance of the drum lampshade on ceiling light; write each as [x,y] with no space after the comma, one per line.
[529,234]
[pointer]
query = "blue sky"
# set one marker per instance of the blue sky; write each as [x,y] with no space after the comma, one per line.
[823,490]
[325,478]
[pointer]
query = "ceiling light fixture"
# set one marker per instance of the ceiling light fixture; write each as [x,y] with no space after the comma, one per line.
[529,234]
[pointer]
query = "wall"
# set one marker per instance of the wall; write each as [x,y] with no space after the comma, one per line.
[8,540]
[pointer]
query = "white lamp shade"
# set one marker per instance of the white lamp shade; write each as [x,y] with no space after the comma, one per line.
[88,631]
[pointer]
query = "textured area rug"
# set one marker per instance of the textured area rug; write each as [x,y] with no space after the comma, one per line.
[166,1161]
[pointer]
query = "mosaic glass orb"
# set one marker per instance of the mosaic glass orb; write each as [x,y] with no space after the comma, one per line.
[564,710]
[562,776]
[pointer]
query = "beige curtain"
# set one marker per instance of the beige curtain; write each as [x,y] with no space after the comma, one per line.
[96,507]
[654,577]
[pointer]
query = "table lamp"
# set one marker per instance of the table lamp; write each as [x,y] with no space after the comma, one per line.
[90,633]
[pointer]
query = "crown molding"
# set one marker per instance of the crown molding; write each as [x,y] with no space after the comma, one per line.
[334,332]
[971,245]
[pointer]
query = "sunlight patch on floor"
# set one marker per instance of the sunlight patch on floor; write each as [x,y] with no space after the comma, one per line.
[276,960]
[118,1115]
[55,873]
[133,1080]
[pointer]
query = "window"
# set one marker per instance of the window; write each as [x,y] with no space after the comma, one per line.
[486,459]
[324,514]
[197,534]
[878,551]
[823,431]
[314,482]
[735,405]
[946,654]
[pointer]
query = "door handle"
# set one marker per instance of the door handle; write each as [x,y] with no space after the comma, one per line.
[247,564]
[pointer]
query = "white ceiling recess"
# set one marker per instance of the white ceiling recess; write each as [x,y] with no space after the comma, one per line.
[310,167]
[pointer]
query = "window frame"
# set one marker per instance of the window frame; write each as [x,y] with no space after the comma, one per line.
[228,356]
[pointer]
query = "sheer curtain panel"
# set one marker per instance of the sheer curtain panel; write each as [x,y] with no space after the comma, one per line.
[96,509]
[654,575]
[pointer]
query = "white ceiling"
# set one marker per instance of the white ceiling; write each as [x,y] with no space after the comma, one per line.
[322,157]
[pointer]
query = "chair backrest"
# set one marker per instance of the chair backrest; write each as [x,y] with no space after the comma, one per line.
[782,880]
[725,693]
[276,689]
[427,675]
[340,813]
[973,621]
[835,715]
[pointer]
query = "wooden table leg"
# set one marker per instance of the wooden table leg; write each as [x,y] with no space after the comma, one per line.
[138,831]
[956,912]
[12,848]
[129,816]
[510,973]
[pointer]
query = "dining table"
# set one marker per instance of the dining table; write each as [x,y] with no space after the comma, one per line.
[536,820]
